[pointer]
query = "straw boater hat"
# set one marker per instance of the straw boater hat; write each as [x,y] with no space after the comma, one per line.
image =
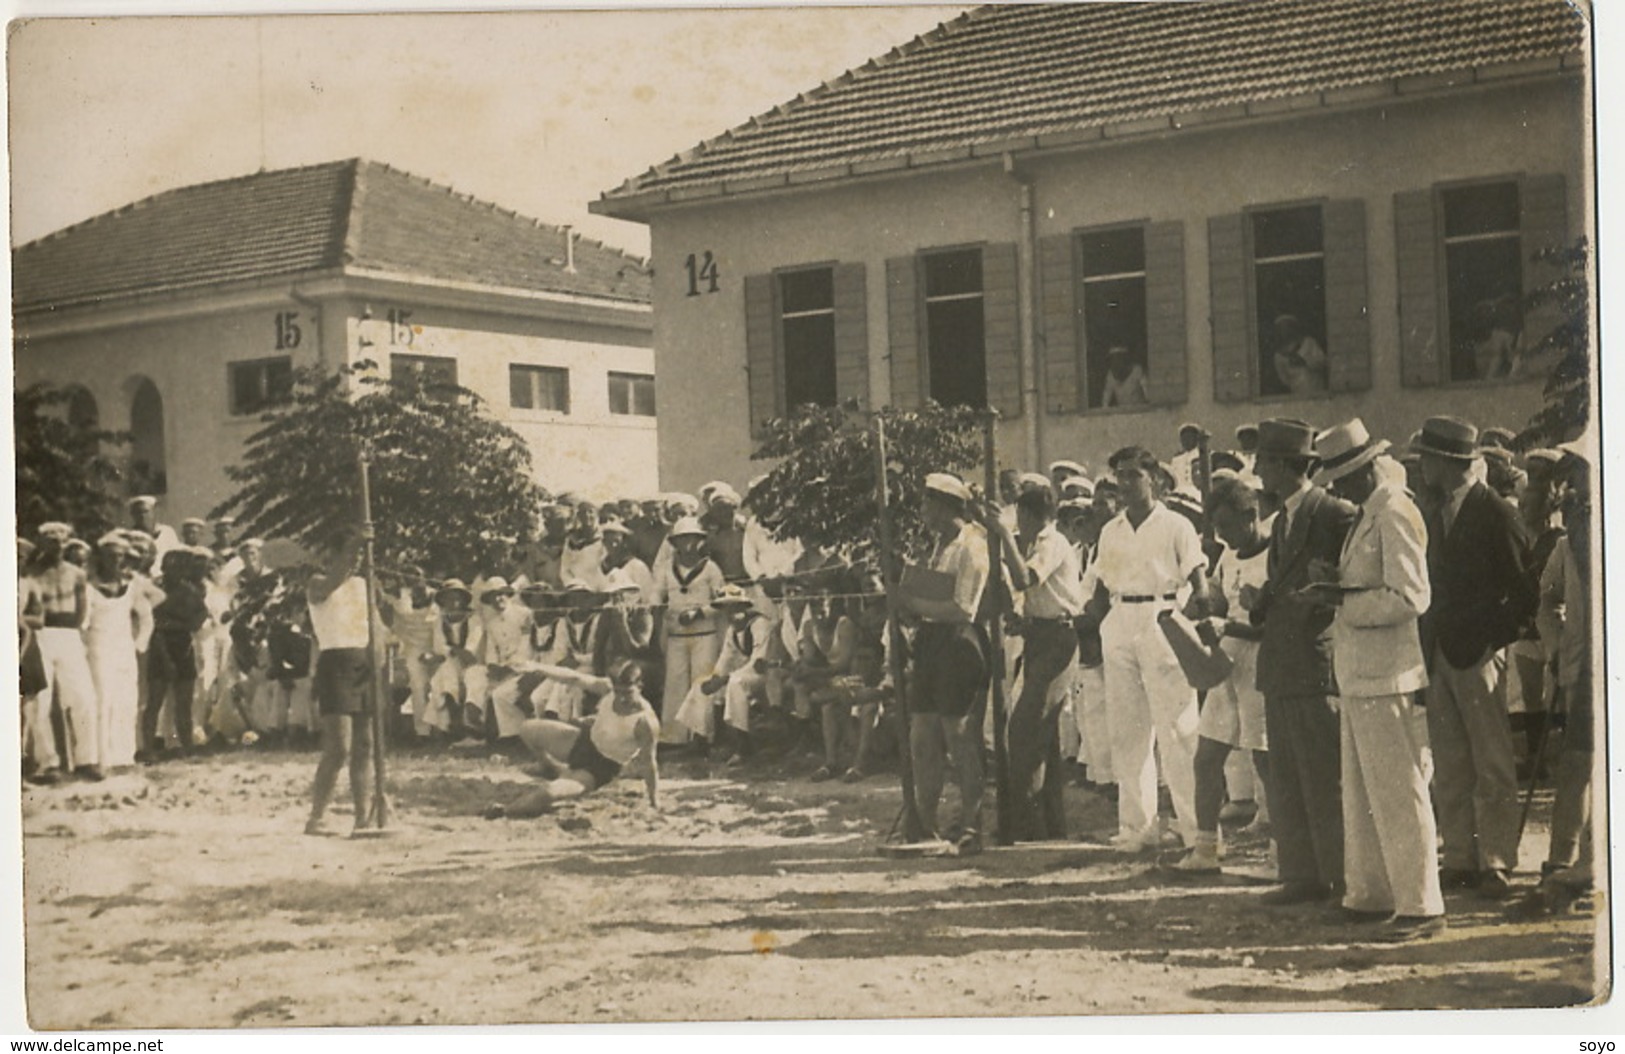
[730,597]
[948,485]
[689,527]
[1447,437]
[1344,448]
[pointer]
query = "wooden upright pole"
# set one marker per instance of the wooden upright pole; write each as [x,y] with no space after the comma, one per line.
[995,636]
[380,803]
[912,831]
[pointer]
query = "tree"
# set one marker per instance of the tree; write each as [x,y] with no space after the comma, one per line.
[822,491]
[63,473]
[451,486]
[1566,401]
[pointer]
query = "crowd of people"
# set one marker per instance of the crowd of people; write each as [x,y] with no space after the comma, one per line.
[1314,621]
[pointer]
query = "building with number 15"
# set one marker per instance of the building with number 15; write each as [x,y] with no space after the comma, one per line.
[181,317]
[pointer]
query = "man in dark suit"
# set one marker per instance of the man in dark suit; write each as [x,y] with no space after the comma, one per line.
[1294,667]
[1478,556]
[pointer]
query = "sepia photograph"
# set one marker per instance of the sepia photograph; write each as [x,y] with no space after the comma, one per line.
[1073,515]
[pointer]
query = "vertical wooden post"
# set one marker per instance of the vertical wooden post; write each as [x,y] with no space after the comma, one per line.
[1204,458]
[380,803]
[995,636]
[894,633]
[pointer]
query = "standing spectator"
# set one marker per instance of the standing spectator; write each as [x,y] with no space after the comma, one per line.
[1044,569]
[1380,592]
[144,518]
[117,614]
[33,678]
[1182,466]
[223,545]
[194,532]
[337,598]
[583,556]
[1146,557]
[1566,605]
[1247,446]
[410,615]
[950,661]
[1233,715]
[691,581]
[1478,556]
[71,689]
[172,669]
[1294,667]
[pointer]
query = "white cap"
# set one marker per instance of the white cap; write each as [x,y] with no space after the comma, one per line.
[1068,466]
[949,484]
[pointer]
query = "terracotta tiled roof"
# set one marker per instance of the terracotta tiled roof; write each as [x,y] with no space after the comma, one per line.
[358,215]
[1014,73]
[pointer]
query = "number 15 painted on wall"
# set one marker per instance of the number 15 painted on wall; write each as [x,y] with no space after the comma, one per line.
[702,269]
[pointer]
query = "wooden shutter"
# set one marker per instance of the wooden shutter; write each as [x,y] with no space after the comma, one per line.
[1228,302]
[851,335]
[1416,251]
[903,332]
[761,357]
[1544,205]
[1348,322]
[1165,346]
[1001,322]
[1063,370]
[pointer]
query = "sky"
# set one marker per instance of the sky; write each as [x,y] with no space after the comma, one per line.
[539,112]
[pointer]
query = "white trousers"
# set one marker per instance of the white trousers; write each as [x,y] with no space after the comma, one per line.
[1150,710]
[1089,711]
[1389,834]
[73,689]
[689,660]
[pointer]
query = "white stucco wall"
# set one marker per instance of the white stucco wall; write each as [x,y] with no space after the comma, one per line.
[590,450]
[1370,154]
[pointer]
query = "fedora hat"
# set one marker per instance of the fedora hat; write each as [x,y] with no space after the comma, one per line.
[1344,448]
[1448,437]
[1286,437]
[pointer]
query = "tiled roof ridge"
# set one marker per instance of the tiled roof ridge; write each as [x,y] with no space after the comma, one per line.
[365,164]
[152,199]
[869,68]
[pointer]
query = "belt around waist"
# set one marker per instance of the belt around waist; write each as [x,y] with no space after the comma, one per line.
[1133,599]
[55,620]
[1055,620]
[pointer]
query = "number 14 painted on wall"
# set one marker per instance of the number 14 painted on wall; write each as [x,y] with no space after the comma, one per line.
[702,269]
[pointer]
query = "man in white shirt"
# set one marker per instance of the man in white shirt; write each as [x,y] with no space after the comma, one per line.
[1044,568]
[949,685]
[1146,556]
[337,597]
[144,518]
[1183,464]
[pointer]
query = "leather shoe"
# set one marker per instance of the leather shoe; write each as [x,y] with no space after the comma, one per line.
[1295,893]
[1346,916]
[1494,884]
[1458,878]
[1403,929]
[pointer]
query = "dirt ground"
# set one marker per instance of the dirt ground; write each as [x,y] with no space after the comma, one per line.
[187,896]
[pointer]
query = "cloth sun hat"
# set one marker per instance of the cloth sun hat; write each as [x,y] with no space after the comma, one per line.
[145,501]
[1070,467]
[1286,437]
[687,527]
[194,521]
[949,485]
[731,596]
[1032,481]
[54,529]
[723,494]
[614,527]
[1447,437]
[496,587]
[1077,487]
[453,593]
[1344,448]
[114,540]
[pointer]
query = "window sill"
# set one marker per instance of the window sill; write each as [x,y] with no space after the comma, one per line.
[1494,382]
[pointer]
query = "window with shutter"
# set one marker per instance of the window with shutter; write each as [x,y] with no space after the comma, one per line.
[1165,312]
[806,309]
[851,334]
[1060,358]
[761,353]
[955,327]
[1348,319]
[1416,247]
[1002,328]
[903,332]
[1545,226]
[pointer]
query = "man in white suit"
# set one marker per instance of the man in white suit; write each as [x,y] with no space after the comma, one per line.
[1381,590]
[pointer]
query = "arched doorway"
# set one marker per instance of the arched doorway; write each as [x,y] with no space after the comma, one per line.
[147,471]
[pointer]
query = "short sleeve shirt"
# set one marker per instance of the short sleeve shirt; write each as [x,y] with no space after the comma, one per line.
[1059,590]
[1154,559]
[966,559]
